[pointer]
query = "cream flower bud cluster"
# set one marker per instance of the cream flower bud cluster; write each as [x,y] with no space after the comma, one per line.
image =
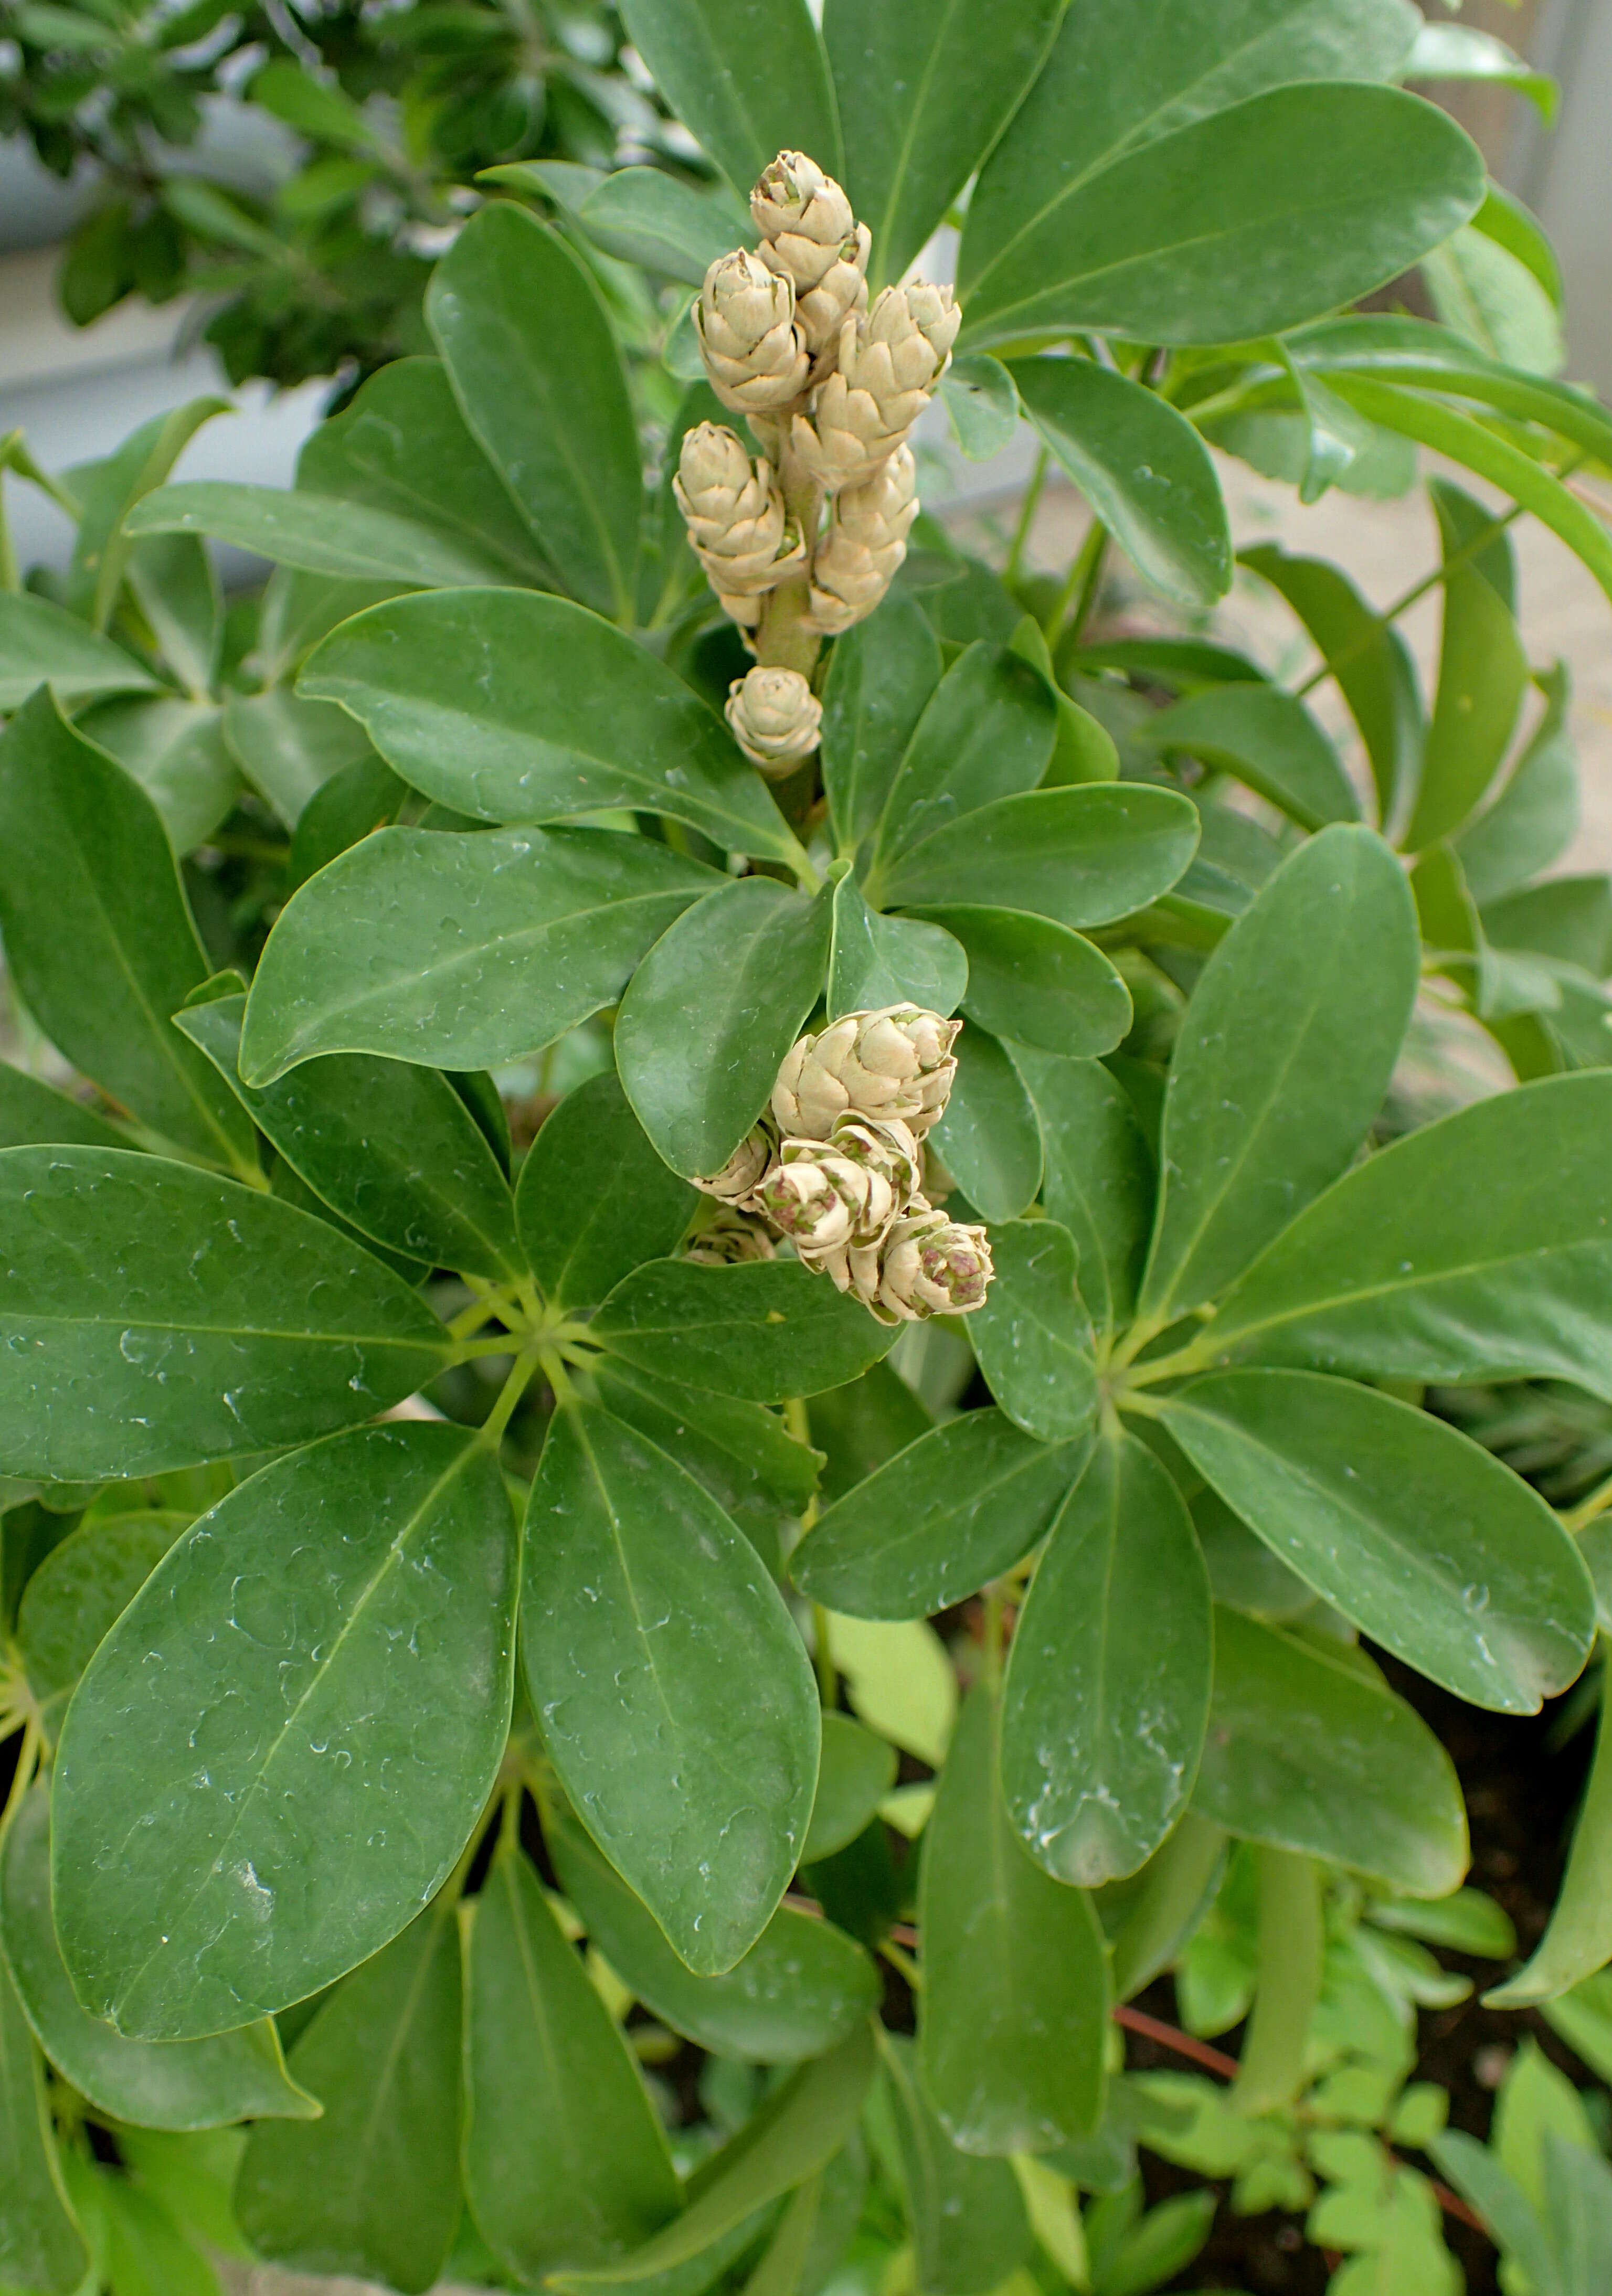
[837,1166]
[832,388]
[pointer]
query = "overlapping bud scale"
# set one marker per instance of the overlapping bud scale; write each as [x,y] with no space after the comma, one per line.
[775,718]
[895,1062]
[756,355]
[734,511]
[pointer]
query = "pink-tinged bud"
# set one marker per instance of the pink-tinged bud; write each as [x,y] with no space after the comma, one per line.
[892,1063]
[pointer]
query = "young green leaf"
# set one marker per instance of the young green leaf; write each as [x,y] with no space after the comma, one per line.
[901,1680]
[459,950]
[98,936]
[1032,1336]
[1037,982]
[969,2228]
[317,535]
[1098,1178]
[1108,1688]
[1535,817]
[40,641]
[644,215]
[179,2085]
[745,1456]
[510,705]
[595,1200]
[538,377]
[749,84]
[290,1644]
[1579,1940]
[387,1144]
[712,1011]
[565,2164]
[1482,675]
[875,960]
[938,1521]
[881,676]
[1283,1059]
[764,1333]
[177,752]
[1016,1981]
[1309,1752]
[1081,856]
[801,1988]
[288,747]
[41,2251]
[856,1772]
[1164,1902]
[1432,1546]
[78,1593]
[35,1115]
[989,1139]
[987,732]
[1267,739]
[1142,467]
[675,1695]
[372,2188]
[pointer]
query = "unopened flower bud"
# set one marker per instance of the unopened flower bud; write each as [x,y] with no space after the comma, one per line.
[857,557]
[828,1196]
[889,361]
[810,235]
[754,353]
[735,514]
[743,1174]
[894,1062]
[931,1266]
[775,719]
[730,1241]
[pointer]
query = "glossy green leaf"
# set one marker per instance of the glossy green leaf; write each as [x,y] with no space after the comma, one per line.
[765,1333]
[80,1591]
[112,492]
[1109,1677]
[373,2188]
[902,1682]
[316,533]
[875,960]
[1308,1750]
[1037,982]
[460,950]
[749,77]
[987,732]
[989,1139]
[862,1426]
[1433,1547]
[346,1592]
[1291,1950]
[744,1454]
[881,676]
[675,1695]
[1195,236]
[1579,1940]
[401,448]
[1482,675]
[595,1200]
[179,2085]
[801,1988]
[1016,1981]
[98,936]
[146,2254]
[177,752]
[1141,466]
[33,1114]
[160,1316]
[1099,1177]
[1034,1336]
[510,705]
[1165,1901]
[1283,1059]
[41,2252]
[645,216]
[1475,1248]
[856,1772]
[1535,817]
[712,1011]
[39,640]
[938,1521]
[538,377]
[565,2164]
[1081,856]
[922,99]
[969,2228]
[388,1144]
[288,749]
[1269,741]
[981,399]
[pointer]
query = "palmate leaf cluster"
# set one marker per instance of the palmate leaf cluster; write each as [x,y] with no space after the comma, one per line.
[352,1715]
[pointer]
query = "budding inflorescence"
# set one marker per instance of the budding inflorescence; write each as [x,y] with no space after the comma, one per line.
[803,540]
[837,1166]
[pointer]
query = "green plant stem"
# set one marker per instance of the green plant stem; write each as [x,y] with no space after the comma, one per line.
[559,1379]
[903,1963]
[828,1680]
[503,1411]
[1079,590]
[995,1619]
[1026,518]
[27,1756]
[470,1320]
[1578,1518]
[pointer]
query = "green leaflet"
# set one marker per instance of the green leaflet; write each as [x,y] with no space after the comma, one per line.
[1016,1981]
[40,2250]
[177,2085]
[712,1011]
[801,1988]
[875,960]
[177,752]
[982,404]
[862,1425]
[644,215]
[1309,1751]
[40,641]
[510,705]
[111,493]
[288,749]
[1474,1248]
[459,950]
[1081,856]
[881,676]
[1292,1946]
[98,934]
[936,1523]
[1164,1902]
[1432,1546]
[989,1139]
[373,2187]
[855,1773]
[1535,817]
[389,1145]
[1098,1178]
[1032,1336]
[565,2164]
[350,1589]
[749,82]
[1482,675]
[764,1333]
[987,732]
[316,535]
[1107,1687]
[922,99]
[674,1696]
[743,1454]
[81,1589]
[538,377]
[969,2227]
[35,1115]
[1284,1057]
[145,2253]
[595,1200]
[1142,467]
[1038,983]
[1267,739]
[161,1315]
[1579,1940]
[797,2131]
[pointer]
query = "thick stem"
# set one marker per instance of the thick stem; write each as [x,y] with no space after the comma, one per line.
[782,641]
[1079,591]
